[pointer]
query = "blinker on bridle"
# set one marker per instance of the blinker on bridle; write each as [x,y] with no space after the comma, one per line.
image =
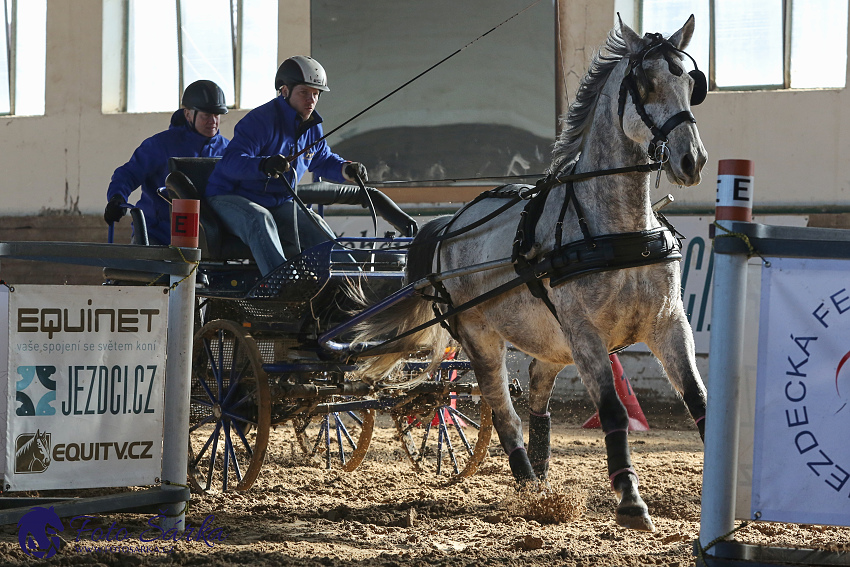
[637,74]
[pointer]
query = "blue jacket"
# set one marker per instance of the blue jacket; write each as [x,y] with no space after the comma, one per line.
[148,167]
[271,129]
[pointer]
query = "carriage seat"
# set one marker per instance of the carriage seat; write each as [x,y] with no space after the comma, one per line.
[188,180]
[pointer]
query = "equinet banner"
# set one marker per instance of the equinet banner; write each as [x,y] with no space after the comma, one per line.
[86,369]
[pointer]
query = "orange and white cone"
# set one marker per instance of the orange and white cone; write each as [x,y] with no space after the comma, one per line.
[637,421]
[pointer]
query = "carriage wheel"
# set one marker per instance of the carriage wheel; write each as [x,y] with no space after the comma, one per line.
[230,409]
[340,438]
[449,441]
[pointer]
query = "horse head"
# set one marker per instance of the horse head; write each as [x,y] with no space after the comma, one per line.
[37,531]
[42,445]
[655,98]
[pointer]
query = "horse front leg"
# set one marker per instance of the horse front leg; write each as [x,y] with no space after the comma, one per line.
[541,382]
[486,352]
[594,367]
[673,345]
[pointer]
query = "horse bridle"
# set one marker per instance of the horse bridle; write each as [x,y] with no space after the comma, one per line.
[636,75]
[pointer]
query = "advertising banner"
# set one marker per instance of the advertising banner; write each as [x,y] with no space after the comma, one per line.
[86,370]
[801,458]
[4,365]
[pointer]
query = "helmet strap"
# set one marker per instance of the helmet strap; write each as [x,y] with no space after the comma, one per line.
[194,119]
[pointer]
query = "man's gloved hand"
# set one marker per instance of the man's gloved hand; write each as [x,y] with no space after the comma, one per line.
[114,211]
[352,169]
[275,166]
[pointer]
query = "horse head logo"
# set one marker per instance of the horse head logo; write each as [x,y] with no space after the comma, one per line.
[37,531]
[32,452]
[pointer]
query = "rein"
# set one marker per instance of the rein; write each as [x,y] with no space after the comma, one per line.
[592,253]
[542,185]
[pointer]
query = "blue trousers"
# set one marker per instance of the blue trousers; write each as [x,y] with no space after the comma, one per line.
[271,234]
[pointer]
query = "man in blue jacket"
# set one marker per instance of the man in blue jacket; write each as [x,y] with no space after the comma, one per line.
[194,132]
[251,187]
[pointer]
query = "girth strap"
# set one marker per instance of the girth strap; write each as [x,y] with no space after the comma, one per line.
[535,286]
[612,252]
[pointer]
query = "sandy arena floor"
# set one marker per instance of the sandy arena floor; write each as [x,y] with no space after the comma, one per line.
[385,514]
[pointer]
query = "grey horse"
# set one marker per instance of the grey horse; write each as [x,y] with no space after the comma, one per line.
[635,88]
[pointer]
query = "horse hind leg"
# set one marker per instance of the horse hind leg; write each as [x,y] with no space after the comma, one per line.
[541,382]
[594,368]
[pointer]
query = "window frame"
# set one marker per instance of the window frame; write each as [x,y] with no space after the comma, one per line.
[711,74]
[119,70]
[11,26]
[15,81]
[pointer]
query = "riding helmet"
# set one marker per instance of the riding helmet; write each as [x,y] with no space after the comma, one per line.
[301,70]
[205,96]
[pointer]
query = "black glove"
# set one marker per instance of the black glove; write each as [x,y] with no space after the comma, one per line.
[352,169]
[114,211]
[274,166]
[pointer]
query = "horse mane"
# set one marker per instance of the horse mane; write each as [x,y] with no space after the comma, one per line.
[25,447]
[569,144]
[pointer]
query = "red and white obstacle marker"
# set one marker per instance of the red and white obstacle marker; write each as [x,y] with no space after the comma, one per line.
[637,421]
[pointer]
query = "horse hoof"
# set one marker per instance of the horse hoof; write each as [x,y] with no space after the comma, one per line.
[528,485]
[635,519]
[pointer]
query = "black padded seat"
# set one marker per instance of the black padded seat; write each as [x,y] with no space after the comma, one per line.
[215,242]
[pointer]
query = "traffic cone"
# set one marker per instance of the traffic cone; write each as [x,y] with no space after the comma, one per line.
[637,421]
[447,417]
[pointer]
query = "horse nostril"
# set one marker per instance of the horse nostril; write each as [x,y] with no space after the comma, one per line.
[688,165]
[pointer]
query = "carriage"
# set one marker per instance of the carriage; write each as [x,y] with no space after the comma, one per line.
[568,271]
[274,351]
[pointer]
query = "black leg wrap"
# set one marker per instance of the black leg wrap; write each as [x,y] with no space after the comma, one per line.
[539,432]
[617,448]
[521,466]
[701,426]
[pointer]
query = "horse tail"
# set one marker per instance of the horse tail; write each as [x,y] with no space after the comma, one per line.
[405,315]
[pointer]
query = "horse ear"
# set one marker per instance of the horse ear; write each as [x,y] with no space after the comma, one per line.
[682,38]
[634,43]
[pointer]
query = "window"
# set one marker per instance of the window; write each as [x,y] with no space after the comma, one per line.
[759,44]
[23,35]
[165,45]
[489,111]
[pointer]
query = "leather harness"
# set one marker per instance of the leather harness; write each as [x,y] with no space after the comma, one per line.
[592,253]
[566,261]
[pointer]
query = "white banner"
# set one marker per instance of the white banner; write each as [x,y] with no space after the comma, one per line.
[86,369]
[801,458]
[4,365]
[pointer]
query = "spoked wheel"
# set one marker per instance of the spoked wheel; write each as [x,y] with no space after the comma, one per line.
[340,438]
[452,440]
[230,409]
